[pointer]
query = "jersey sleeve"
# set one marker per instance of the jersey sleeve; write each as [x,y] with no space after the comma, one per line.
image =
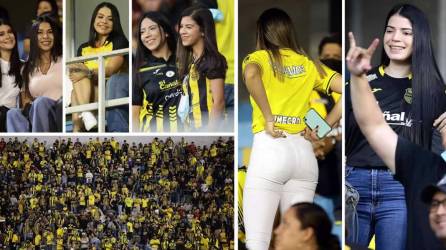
[216,73]
[323,82]
[259,58]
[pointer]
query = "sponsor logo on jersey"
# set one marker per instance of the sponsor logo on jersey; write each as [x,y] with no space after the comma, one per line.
[168,85]
[287,119]
[376,90]
[292,71]
[408,95]
[170,73]
[371,77]
[172,95]
[399,119]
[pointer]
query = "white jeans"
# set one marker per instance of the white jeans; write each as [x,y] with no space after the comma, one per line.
[281,170]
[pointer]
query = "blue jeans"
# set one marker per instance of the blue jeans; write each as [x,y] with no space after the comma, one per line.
[117,117]
[42,117]
[381,208]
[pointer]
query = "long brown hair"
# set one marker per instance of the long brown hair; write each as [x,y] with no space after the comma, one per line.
[211,58]
[275,31]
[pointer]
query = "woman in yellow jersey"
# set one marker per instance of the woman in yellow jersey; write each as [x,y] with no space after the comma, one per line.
[203,67]
[105,35]
[280,78]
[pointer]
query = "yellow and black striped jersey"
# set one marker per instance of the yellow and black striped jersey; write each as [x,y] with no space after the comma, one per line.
[200,95]
[289,98]
[158,94]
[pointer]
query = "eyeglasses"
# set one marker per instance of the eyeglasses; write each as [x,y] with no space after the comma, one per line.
[435,204]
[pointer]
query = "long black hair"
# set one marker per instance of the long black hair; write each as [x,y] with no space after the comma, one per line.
[34,53]
[116,32]
[15,64]
[142,52]
[428,87]
[210,59]
[312,215]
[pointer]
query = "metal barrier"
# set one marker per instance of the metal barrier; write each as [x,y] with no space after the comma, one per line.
[101,104]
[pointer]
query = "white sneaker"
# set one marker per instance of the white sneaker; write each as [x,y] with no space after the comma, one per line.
[89,120]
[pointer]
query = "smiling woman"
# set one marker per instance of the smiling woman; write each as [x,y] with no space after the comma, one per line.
[410,92]
[42,77]
[202,68]
[10,77]
[156,89]
[106,35]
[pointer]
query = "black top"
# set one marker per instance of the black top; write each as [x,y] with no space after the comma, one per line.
[415,169]
[158,95]
[394,96]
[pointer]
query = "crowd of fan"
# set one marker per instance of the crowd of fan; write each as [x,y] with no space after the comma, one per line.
[103,194]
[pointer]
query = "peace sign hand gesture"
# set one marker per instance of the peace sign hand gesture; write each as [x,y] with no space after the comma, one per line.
[358,59]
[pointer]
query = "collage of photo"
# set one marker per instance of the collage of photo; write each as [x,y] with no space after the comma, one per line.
[223,124]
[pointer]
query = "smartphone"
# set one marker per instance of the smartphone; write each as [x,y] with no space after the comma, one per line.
[313,119]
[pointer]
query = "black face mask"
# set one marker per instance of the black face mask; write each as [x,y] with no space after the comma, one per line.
[333,64]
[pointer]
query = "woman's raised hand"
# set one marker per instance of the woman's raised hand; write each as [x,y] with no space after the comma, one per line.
[359,59]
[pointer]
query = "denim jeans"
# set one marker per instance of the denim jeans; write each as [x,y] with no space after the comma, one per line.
[381,208]
[117,117]
[43,116]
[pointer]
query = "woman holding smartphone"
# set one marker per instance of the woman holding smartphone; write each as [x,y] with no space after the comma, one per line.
[203,67]
[410,92]
[283,168]
[156,88]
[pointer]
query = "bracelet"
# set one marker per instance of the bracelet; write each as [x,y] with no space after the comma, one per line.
[90,74]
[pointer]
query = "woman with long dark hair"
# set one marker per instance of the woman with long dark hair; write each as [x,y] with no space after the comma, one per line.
[202,68]
[47,7]
[280,78]
[105,35]
[156,88]
[42,78]
[305,226]
[10,66]
[410,92]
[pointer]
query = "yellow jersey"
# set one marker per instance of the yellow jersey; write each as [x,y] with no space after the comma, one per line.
[225,36]
[289,99]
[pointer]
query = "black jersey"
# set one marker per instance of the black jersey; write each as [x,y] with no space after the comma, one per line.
[158,95]
[394,96]
[416,168]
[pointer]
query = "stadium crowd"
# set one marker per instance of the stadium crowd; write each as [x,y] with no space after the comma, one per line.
[107,194]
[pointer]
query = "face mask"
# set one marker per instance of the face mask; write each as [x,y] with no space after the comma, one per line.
[333,64]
